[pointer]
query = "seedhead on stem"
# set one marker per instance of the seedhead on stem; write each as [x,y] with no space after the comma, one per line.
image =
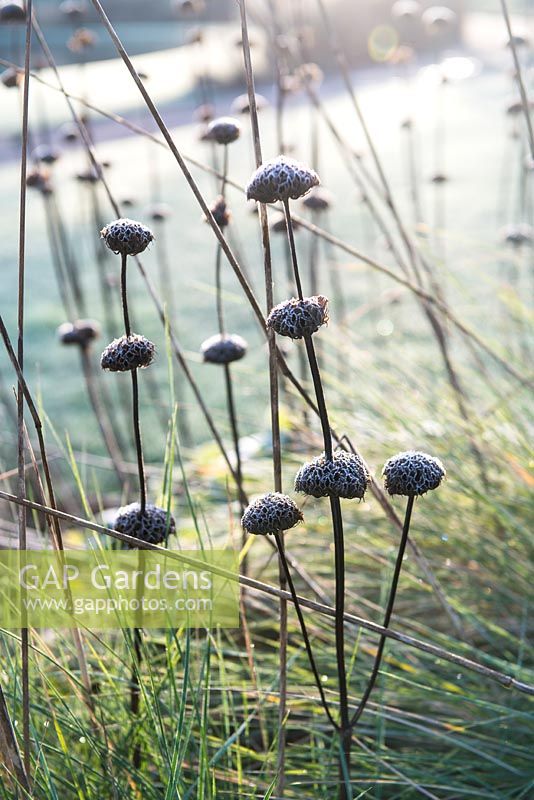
[297,318]
[153,525]
[344,475]
[127,353]
[282,178]
[127,237]
[412,473]
[223,349]
[81,332]
[271,513]
[224,130]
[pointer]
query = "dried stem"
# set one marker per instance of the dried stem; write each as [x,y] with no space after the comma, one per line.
[273,397]
[519,77]
[135,391]
[21,481]
[389,610]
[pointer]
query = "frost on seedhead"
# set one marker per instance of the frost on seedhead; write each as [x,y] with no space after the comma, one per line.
[282,178]
[345,475]
[81,332]
[126,236]
[297,318]
[127,353]
[154,526]
[271,513]
[224,130]
[223,349]
[412,473]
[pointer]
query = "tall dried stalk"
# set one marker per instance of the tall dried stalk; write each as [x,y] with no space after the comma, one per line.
[21,481]
[273,397]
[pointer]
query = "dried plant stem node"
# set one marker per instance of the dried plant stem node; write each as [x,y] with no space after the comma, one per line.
[154,525]
[344,475]
[127,237]
[282,178]
[223,349]
[271,513]
[127,353]
[297,318]
[412,473]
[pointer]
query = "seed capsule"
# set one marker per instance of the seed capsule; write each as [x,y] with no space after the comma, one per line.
[318,200]
[412,473]
[297,318]
[282,178]
[127,353]
[127,237]
[345,475]
[271,513]
[154,526]
[223,349]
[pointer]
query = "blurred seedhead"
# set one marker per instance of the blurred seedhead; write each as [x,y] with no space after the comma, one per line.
[81,40]
[223,348]
[241,104]
[80,332]
[12,11]
[223,130]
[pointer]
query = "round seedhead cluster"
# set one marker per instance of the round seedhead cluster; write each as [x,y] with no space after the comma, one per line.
[204,113]
[518,235]
[241,104]
[220,212]
[438,19]
[344,475]
[318,200]
[89,175]
[153,526]
[127,237]
[223,349]
[412,473]
[81,332]
[127,353]
[224,130]
[12,11]
[38,178]
[282,178]
[11,78]
[297,318]
[271,513]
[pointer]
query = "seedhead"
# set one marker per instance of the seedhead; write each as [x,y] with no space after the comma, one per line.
[223,349]
[127,237]
[344,475]
[224,130]
[271,513]
[152,526]
[412,473]
[127,353]
[81,332]
[282,178]
[297,318]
